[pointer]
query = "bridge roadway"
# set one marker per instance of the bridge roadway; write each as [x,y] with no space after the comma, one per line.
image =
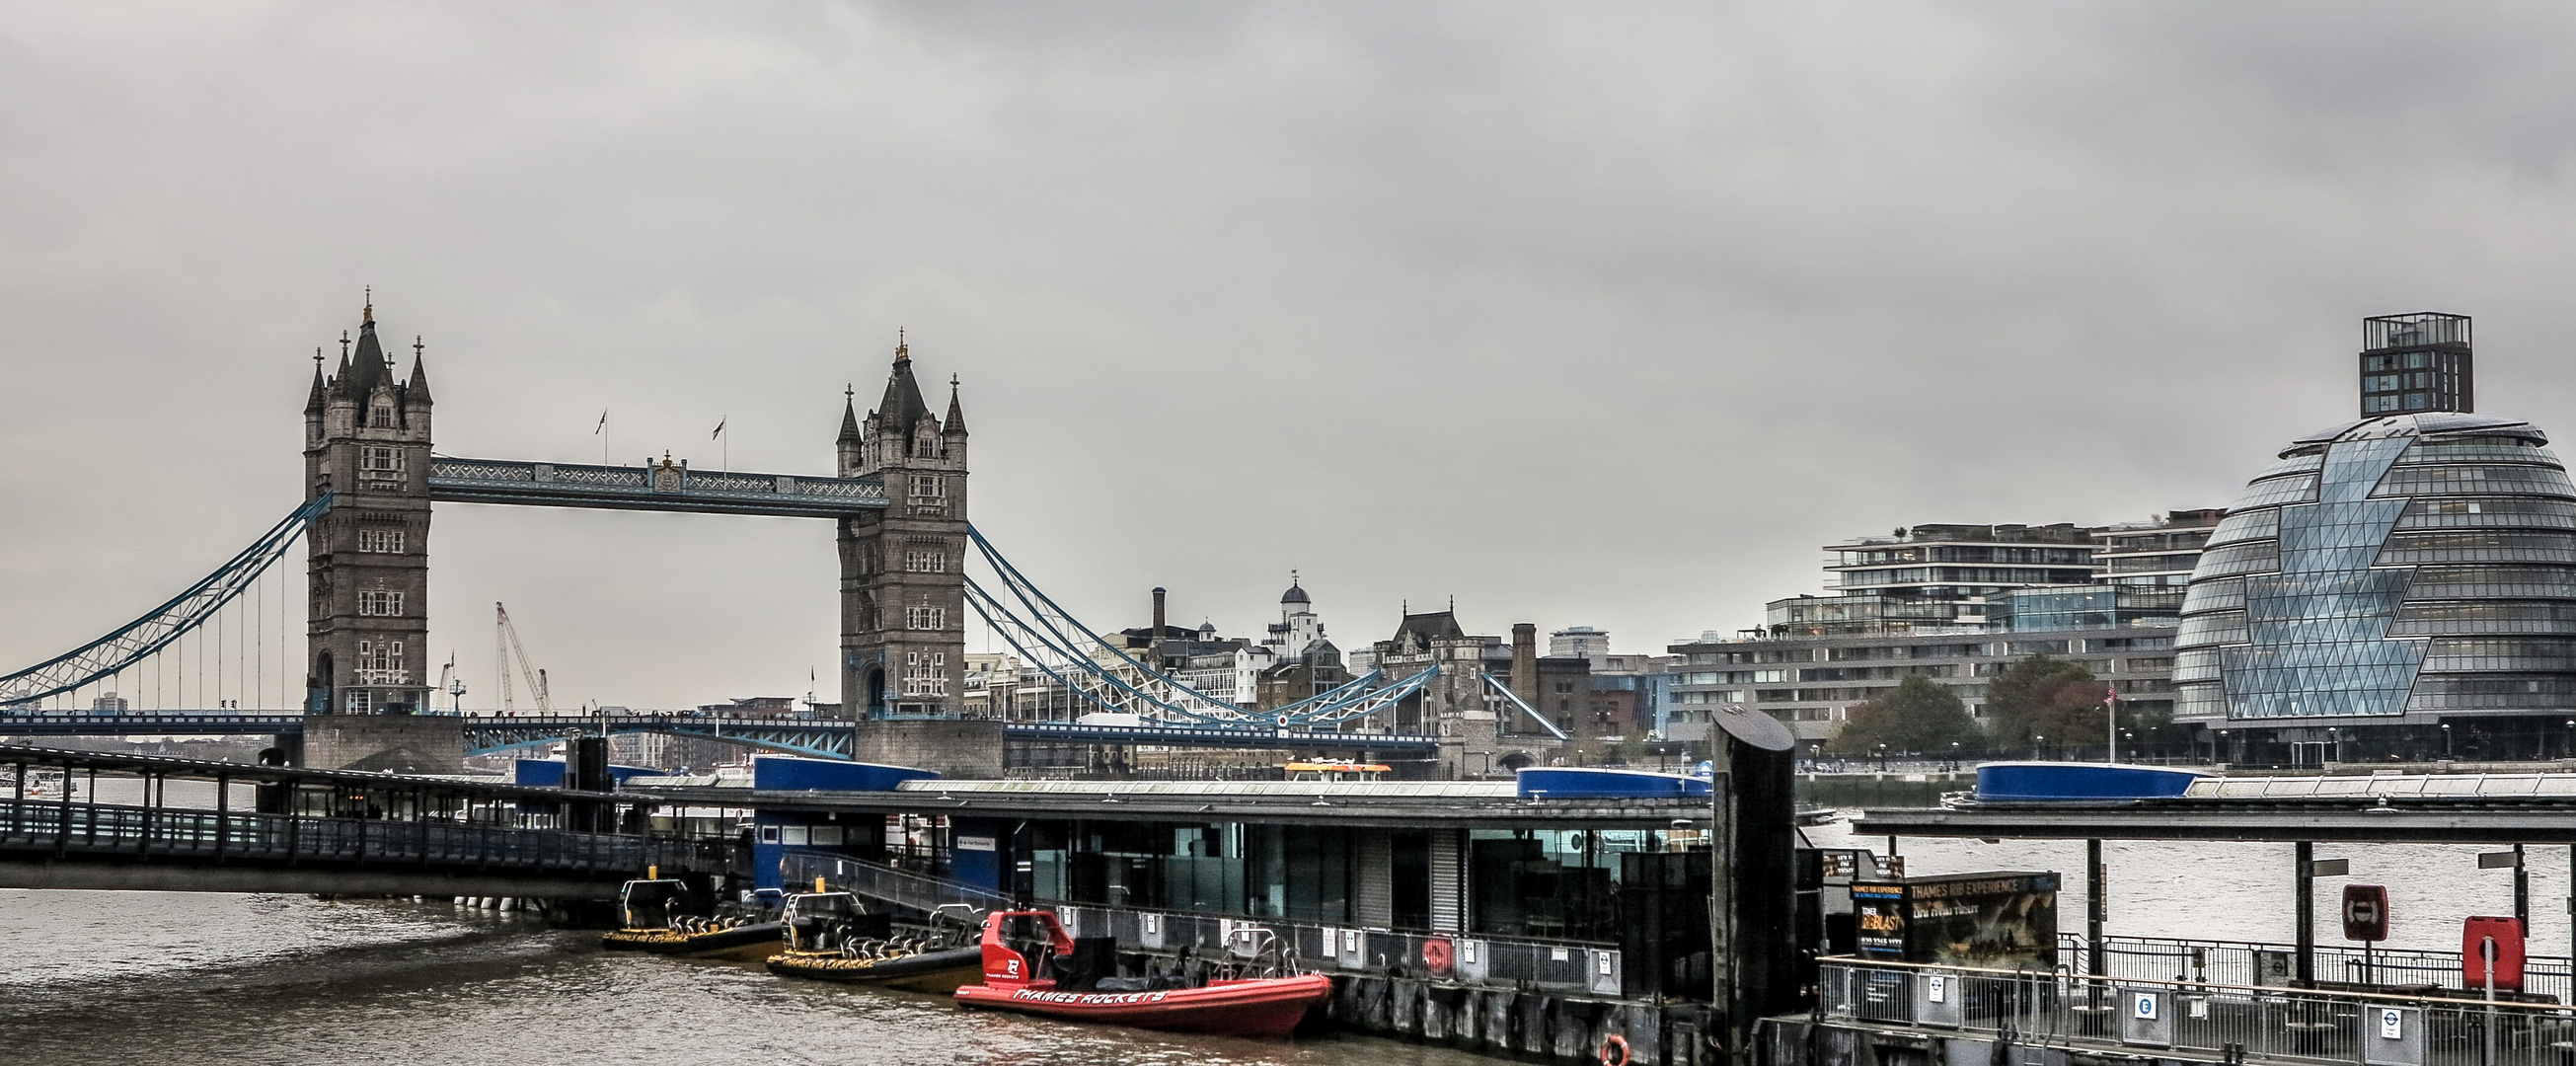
[318,831]
[821,737]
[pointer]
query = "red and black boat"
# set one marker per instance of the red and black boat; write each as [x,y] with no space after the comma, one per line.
[1027,957]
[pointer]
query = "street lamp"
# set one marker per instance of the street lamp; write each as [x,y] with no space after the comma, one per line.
[2571,739]
[1882,758]
[1954,755]
[2038,746]
[2334,745]
[2446,740]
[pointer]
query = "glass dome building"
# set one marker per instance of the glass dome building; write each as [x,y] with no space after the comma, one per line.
[2398,587]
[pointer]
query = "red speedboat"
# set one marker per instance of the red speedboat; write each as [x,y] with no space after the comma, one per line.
[1020,973]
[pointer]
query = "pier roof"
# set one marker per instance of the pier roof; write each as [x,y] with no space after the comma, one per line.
[2531,808]
[1399,804]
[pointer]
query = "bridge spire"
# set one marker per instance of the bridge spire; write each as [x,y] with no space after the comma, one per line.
[314,404]
[416,392]
[955,423]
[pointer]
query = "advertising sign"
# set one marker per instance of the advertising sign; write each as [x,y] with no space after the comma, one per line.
[2000,921]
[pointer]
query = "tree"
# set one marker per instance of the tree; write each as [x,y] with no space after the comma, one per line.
[2040,696]
[1918,715]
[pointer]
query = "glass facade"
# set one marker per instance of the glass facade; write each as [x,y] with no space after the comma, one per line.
[2408,563]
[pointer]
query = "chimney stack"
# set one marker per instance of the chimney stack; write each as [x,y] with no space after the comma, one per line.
[1156,641]
[1525,662]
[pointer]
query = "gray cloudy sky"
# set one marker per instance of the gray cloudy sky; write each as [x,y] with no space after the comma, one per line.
[1602,314]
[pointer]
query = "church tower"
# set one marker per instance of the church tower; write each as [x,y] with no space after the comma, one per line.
[903,587]
[366,446]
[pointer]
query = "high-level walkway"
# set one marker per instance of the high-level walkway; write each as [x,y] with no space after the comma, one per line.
[317,831]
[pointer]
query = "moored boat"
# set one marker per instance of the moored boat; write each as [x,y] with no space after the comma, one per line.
[830,937]
[653,916]
[1020,946]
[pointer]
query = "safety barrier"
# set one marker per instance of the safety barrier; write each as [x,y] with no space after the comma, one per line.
[2232,1022]
[1467,958]
[2238,962]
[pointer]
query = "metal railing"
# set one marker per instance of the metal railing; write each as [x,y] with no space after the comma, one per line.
[2236,962]
[2232,1022]
[102,831]
[1473,958]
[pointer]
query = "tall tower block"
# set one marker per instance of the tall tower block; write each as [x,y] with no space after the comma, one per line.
[2415,363]
[903,587]
[366,446]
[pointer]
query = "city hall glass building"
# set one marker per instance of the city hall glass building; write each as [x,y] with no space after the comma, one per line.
[2396,587]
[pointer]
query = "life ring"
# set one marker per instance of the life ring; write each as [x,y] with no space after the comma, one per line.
[1436,956]
[1617,1043]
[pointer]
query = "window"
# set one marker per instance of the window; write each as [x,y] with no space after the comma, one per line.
[929,494]
[371,539]
[382,417]
[919,561]
[925,618]
[380,662]
[926,447]
[375,460]
[379,604]
[361,701]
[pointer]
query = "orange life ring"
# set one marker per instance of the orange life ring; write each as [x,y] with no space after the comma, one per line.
[1436,956]
[1614,1042]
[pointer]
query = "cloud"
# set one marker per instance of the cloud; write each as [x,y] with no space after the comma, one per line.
[1601,316]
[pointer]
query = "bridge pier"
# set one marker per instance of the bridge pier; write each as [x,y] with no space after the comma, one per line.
[399,743]
[969,748]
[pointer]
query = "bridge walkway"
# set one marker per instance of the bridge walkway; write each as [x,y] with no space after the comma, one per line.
[324,832]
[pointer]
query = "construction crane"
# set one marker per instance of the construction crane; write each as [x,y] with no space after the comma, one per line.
[505,648]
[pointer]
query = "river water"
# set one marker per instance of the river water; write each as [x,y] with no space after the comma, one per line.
[113,977]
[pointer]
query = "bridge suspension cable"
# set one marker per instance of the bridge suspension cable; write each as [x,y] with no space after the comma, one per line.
[1103,675]
[164,625]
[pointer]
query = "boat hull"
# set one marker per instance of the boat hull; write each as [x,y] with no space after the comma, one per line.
[930,971]
[1269,1007]
[749,943]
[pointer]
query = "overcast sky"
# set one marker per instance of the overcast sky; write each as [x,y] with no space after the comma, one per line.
[1604,314]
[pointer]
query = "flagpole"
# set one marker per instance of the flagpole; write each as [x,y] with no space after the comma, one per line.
[2111,715]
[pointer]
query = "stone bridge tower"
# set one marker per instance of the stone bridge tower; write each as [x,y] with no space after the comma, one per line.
[366,446]
[903,587]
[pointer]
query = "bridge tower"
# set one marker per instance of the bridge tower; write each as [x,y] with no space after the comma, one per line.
[903,586]
[366,445]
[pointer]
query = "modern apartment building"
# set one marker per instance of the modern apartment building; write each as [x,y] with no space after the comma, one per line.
[1954,603]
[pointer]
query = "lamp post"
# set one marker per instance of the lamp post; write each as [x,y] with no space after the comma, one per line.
[2571,740]
[1954,752]
[2334,745]
[2446,740]
[2218,747]
[2038,746]
[1882,758]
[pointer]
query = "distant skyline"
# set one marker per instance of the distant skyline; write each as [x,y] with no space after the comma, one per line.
[1605,316]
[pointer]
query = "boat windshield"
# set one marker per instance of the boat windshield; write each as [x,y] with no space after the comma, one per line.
[650,904]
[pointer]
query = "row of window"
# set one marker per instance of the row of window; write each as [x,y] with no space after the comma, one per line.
[376,539]
[380,662]
[1731,677]
[2475,480]
[925,673]
[379,603]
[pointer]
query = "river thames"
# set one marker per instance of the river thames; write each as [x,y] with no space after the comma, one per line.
[113,977]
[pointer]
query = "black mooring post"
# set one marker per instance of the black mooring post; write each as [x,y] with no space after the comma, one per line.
[2305,857]
[2521,892]
[2094,908]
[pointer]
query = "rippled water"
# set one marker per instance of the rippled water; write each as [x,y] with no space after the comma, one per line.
[110,977]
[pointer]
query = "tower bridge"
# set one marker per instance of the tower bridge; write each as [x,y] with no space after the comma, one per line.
[897,501]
